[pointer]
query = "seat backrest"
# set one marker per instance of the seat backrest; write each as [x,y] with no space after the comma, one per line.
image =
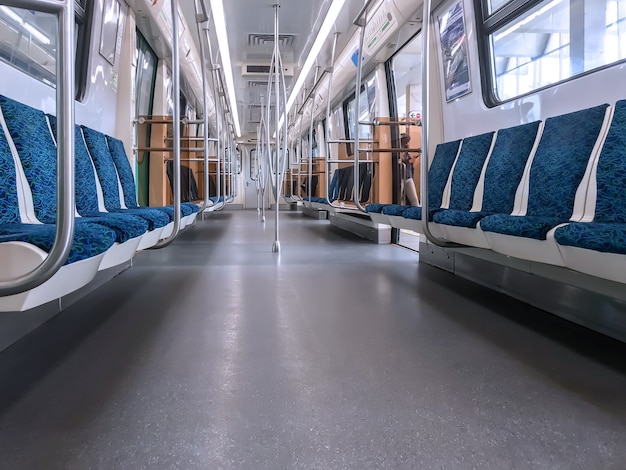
[105,167]
[125,173]
[439,171]
[29,130]
[505,167]
[563,158]
[466,172]
[9,202]
[608,188]
[85,180]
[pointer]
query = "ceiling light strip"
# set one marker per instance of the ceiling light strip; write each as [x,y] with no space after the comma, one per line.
[219,19]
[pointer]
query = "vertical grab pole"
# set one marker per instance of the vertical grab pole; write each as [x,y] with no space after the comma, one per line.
[175,126]
[310,186]
[331,70]
[426,26]
[65,150]
[360,21]
[205,104]
[276,245]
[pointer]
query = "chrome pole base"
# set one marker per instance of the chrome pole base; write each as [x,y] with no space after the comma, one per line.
[276,247]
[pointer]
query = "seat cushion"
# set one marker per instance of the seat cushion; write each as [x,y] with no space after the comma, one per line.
[394,209]
[89,239]
[535,227]
[125,226]
[459,218]
[412,213]
[607,238]
[156,218]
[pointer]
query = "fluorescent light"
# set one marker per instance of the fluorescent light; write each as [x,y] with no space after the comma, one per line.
[219,19]
[329,21]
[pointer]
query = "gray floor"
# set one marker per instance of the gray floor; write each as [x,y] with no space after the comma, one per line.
[336,353]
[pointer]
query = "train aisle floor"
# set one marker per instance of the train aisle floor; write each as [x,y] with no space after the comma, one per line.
[334,354]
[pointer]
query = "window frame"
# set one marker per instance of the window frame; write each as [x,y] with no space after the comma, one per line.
[487,24]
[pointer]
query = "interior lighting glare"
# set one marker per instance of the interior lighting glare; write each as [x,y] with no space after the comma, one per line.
[219,19]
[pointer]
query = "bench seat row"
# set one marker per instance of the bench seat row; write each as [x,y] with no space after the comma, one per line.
[110,227]
[552,192]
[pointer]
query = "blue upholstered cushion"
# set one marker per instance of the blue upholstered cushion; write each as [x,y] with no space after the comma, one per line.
[9,205]
[467,170]
[611,171]
[31,135]
[459,218]
[377,208]
[127,179]
[607,238]
[536,227]
[125,226]
[445,154]
[156,218]
[85,181]
[562,156]
[105,168]
[192,207]
[412,213]
[89,239]
[394,209]
[506,167]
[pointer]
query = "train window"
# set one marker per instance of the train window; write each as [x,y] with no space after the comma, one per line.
[367,109]
[407,73]
[554,40]
[30,41]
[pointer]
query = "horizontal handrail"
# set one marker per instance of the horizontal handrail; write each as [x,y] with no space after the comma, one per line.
[350,141]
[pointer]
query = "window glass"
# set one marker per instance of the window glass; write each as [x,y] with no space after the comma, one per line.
[494,5]
[367,109]
[30,43]
[556,40]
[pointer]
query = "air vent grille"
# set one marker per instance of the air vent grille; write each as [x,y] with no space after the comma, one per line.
[258,39]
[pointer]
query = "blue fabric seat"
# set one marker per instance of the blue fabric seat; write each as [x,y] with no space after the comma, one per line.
[393,209]
[467,170]
[127,180]
[562,156]
[29,130]
[607,232]
[107,175]
[603,237]
[503,174]
[89,239]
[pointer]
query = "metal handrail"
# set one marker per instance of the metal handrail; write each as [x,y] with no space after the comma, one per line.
[176,128]
[310,159]
[425,127]
[203,18]
[360,21]
[215,68]
[65,199]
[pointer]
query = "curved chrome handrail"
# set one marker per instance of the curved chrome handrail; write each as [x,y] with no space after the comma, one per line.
[205,103]
[361,22]
[65,200]
[425,127]
[175,127]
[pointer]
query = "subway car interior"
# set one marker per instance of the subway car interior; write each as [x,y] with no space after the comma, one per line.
[313,234]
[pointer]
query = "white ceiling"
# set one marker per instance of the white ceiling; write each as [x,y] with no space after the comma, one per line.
[299,19]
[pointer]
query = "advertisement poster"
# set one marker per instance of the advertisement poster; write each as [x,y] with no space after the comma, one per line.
[454,51]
